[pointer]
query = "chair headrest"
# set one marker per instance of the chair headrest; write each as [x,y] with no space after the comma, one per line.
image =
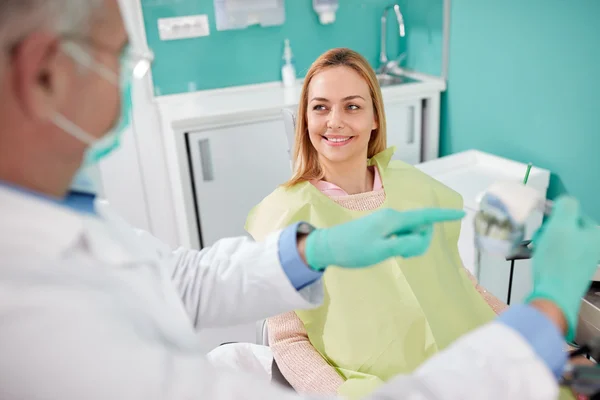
[289,123]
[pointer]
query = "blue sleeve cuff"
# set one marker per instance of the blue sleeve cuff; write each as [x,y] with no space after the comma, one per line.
[299,274]
[541,334]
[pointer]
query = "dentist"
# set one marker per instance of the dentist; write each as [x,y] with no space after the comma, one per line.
[89,309]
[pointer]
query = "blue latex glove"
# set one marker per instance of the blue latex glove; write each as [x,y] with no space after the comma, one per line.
[375,238]
[565,258]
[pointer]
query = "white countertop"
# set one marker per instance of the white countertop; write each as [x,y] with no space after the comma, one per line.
[472,172]
[188,109]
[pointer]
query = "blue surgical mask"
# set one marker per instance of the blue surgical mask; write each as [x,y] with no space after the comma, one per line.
[100,147]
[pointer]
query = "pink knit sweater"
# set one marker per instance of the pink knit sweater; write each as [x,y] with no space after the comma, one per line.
[300,363]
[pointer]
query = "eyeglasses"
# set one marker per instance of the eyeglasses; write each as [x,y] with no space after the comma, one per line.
[136,63]
[139,62]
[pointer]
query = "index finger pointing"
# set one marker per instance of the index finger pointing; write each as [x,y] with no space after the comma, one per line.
[411,220]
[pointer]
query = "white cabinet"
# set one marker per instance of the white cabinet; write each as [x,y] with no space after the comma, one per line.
[404,123]
[233,168]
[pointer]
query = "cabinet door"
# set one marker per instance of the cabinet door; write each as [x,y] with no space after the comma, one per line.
[233,168]
[404,123]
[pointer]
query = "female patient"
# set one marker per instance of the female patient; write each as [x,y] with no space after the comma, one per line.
[382,321]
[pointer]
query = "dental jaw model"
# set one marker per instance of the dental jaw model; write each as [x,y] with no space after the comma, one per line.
[503,212]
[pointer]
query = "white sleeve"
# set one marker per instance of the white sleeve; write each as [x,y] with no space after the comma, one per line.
[60,349]
[235,281]
[73,350]
[493,362]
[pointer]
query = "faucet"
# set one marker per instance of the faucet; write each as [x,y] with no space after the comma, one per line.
[386,66]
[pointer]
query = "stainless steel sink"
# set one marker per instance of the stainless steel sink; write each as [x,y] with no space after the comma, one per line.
[390,80]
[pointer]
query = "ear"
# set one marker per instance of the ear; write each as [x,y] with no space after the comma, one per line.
[41,74]
[375,122]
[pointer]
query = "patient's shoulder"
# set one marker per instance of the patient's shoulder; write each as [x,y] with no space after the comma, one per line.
[282,207]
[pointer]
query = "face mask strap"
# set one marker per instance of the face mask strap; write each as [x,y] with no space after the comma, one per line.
[85,59]
[63,123]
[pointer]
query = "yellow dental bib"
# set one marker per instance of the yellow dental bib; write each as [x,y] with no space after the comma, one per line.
[378,322]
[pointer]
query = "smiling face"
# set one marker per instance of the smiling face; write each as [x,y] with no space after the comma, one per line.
[340,115]
[341,119]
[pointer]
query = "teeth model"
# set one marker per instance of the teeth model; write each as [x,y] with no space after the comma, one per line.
[503,211]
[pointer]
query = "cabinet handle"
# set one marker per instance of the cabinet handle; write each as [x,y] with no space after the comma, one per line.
[206,161]
[411,125]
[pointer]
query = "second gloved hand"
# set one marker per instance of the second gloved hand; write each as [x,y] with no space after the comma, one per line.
[375,238]
[565,258]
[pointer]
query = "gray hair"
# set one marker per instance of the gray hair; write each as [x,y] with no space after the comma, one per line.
[20,17]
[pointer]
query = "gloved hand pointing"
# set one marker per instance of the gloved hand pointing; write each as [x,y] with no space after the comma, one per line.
[375,238]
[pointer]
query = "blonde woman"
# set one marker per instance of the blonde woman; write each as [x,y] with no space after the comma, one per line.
[376,323]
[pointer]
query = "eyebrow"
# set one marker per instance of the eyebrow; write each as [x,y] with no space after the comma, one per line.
[344,99]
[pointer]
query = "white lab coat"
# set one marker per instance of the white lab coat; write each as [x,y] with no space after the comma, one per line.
[89,310]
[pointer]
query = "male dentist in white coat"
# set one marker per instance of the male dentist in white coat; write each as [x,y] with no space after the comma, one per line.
[91,310]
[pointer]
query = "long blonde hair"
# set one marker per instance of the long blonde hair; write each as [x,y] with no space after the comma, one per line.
[306,161]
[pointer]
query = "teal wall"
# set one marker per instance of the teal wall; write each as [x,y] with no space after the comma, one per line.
[253,55]
[524,83]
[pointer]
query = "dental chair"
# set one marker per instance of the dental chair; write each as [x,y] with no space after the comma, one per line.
[289,125]
[262,337]
[262,333]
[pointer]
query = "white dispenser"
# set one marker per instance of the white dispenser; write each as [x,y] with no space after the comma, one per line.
[326,10]
[288,70]
[240,14]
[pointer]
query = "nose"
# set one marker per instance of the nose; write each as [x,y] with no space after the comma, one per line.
[335,120]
